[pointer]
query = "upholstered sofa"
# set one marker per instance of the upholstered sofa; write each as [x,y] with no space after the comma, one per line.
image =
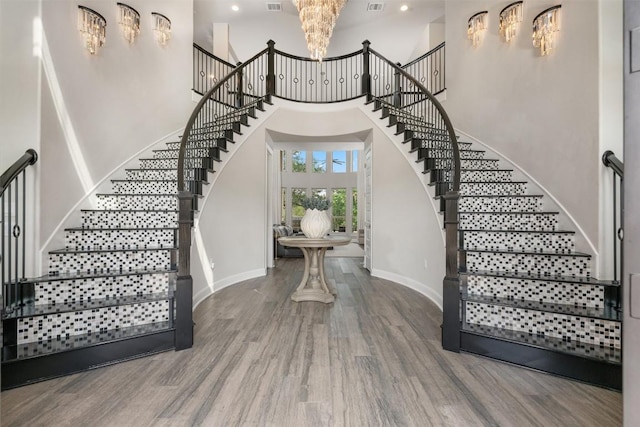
[280,251]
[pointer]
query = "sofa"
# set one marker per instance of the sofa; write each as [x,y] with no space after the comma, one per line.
[280,251]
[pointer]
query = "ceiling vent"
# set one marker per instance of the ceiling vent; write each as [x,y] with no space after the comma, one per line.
[274,7]
[375,7]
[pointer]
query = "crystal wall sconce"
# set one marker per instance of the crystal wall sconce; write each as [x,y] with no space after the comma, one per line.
[93,28]
[161,28]
[545,26]
[476,26]
[129,22]
[510,18]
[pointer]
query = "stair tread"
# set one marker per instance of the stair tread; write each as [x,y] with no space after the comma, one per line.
[607,354]
[518,231]
[115,249]
[81,275]
[510,212]
[33,310]
[498,195]
[547,278]
[605,313]
[118,228]
[141,194]
[520,252]
[36,349]
[129,210]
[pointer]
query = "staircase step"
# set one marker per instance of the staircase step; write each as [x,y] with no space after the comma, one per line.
[464,164]
[127,238]
[152,174]
[505,203]
[67,261]
[133,218]
[518,240]
[212,152]
[534,263]
[523,221]
[172,163]
[137,201]
[493,188]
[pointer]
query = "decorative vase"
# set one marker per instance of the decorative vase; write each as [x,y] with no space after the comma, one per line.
[315,224]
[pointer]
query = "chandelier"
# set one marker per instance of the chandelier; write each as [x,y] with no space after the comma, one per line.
[475,26]
[318,18]
[129,22]
[93,28]
[161,28]
[510,17]
[545,27]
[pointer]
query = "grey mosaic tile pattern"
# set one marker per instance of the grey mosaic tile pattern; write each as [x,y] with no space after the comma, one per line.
[138,201]
[582,295]
[191,152]
[120,238]
[509,241]
[145,187]
[129,219]
[89,262]
[537,264]
[47,327]
[508,221]
[152,174]
[493,188]
[169,163]
[92,288]
[571,328]
[500,204]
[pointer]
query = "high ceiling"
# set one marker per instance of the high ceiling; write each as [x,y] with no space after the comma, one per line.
[395,34]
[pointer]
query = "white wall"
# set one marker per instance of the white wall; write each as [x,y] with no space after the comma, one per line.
[542,112]
[101,109]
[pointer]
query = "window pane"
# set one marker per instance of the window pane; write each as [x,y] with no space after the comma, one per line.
[338,204]
[297,194]
[354,161]
[339,163]
[319,192]
[299,160]
[354,209]
[320,161]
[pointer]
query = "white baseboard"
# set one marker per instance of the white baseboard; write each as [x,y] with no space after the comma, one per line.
[226,282]
[409,283]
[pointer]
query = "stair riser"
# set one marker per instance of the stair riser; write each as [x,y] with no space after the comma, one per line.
[145,187]
[570,328]
[538,264]
[155,202]
[152,174]
[502,175]
[191,152]
[506,241]
[104,262]
[42,328]
[120,239]
[464,164]
[141,219]
[493,188]
[446,154]
[173,163]
[500,204]
[581,295]
[508,221]
[75,290]
[218,141]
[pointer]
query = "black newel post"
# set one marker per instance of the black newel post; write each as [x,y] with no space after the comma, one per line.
[451,283]
[366,73]
[240,91]
[397,92]
[184,283]
[271,67]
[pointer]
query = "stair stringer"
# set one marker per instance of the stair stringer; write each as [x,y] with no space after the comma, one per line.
[198,249]
[550,203]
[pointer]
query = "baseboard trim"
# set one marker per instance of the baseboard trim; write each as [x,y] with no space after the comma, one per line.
[409,283]
[218,285]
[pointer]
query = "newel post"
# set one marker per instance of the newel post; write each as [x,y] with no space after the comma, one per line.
[184,283]
[397,89]
[271,68]
[240,91]
[451,284]
[366,74]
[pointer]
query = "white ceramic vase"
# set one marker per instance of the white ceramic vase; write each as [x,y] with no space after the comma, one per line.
[315,224]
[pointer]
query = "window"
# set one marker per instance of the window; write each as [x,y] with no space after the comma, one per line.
[319,192]
[339,206]
[299,160]
[354,209]
[354,161]
[320,161]
[297,211]
[339,162]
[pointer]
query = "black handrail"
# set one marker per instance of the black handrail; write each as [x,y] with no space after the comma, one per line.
[212,56]
[610,160]
[424,56]
[13,211]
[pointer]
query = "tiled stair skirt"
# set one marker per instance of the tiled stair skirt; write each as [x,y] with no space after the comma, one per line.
[527,296]
[109,293]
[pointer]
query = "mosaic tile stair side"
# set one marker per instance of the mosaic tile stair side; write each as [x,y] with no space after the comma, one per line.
[493,188]
[508,203]
[151,174]
[133,238]
[529,263]
[137,201]
[542,221]
[560,242]
[106,261]
[129,219]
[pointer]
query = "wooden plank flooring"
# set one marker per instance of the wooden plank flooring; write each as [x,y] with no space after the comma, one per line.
[372,358]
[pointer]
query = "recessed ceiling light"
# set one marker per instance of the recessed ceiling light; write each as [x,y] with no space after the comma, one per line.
[404,8]
[235,8]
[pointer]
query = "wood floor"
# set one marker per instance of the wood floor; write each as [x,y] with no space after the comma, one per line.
[372,358]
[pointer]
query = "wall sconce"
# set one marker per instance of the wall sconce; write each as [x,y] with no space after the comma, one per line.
[161,28]
[93,28]
[510,18]
[129,22]
[545,27]
[476,25]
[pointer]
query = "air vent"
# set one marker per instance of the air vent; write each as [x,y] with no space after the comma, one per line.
[375,7]
[274,7]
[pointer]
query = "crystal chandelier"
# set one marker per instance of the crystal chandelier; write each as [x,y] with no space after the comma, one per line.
[318,18]
[476,25]
[510,17]
[129,22]
[545,27]
[93,28]
[161,28]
